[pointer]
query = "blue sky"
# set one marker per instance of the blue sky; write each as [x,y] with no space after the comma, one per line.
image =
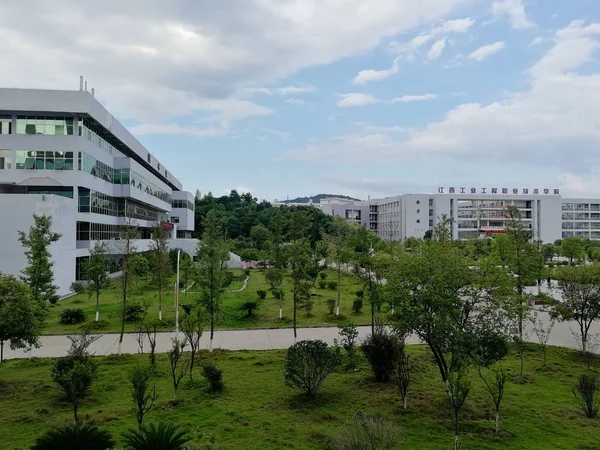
[299,97]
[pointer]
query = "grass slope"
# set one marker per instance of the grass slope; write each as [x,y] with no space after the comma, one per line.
[257,411]
[232,317]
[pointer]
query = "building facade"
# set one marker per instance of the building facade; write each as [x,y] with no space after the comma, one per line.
[476,213]
[63,154]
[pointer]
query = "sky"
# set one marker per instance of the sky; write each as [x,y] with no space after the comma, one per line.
[357,97]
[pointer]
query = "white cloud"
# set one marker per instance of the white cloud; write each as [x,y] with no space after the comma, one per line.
[414,98]
[355,99]
[154,64]
[364,76]
[552,126]
[450,26]
[295,101]
[537,41]
[515,10]
[175,129]
[436,49]
[486,51]
[578,185]
[285,90]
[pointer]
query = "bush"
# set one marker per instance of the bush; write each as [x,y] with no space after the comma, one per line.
[134,312]
[323,275]
[380,350]
[77,288]
[214,376]
[247,272]
[360,293]
[262,294]
[367,432]
[308,306]
[333,285]
[249,307]
[586,392]
[331,302]
[72,316]
[357,305]
[277,293]
[75,437]
[161,436]
[322,284]
[308,364]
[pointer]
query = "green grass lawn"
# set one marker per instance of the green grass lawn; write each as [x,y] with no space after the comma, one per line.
[231,317]
[257,411]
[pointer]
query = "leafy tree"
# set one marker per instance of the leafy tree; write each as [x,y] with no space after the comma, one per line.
[140,267]
[542,332]
[75,437]
[192,327]
[249,307]
[38,274]
[458,387]
[380,350]
[75,375]
[188,273]
[349,335]
[548,251]
[77,288]
[401,373]
[572,248]
[150,329]
[142,394]
[277,261]
[159,262]
[22,318]
[580,288]
[260,236]
[299,257]
[308,364]
[214,376]
[175,355]
[213,255]
[595,255]
[95,269]
[163,435]
[128,234]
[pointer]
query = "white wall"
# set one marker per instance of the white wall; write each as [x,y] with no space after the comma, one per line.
[18,211]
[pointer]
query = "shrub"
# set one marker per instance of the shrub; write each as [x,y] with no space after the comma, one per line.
[331,302]
[357,305]
[277,293]
[134,312]
[214,376]
[367,432]
[360,293]
[333,285]
[75,437]
[77,288]
[262,294]
[161,436]
[322,284]
[308,364]
[308,306]
[72,316]
[586,392]
[249,307]
[380,350]
[247,272]
[349,335]
[323,275]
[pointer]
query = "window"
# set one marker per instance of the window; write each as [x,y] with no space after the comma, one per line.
[149,158]
[5,125]
[182,204]
[53,126]
[44,160]
[418,202]
[174,219]
[418,220]
[418,211]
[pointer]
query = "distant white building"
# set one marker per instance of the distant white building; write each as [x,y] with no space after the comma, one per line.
[475,213]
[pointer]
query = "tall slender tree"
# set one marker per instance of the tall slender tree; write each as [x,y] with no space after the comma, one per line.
[159,262]
[129,233]
[338,252]
[300,254]
[38,274]
[96,273]
[277,262]
[213,255]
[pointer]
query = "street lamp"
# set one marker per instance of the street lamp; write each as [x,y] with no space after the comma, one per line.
[177,296]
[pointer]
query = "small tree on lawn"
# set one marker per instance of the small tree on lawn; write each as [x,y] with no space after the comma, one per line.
[188,273]
[542,332]
[95,270]
[192,327]
[159,262]
[379,348]
[142,394]
[178,371]
[22,318]
[308,364]
[349,335]
[367,432]
[458,388]
[75,374]
[580,288]
[338,252]
[150,328]
[572,248]
[38,274]
[586,392]
[401,372]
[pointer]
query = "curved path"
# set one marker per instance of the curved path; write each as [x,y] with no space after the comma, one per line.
[254,339]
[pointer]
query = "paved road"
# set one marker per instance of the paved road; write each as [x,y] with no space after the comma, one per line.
[263,339]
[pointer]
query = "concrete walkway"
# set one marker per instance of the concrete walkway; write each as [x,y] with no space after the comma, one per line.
[261,339]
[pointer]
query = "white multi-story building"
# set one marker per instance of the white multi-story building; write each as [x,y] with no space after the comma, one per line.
[63,154]
[476,213]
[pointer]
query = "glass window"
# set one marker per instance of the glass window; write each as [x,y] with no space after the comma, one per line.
[45,125]
[5,125]
[39,160]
